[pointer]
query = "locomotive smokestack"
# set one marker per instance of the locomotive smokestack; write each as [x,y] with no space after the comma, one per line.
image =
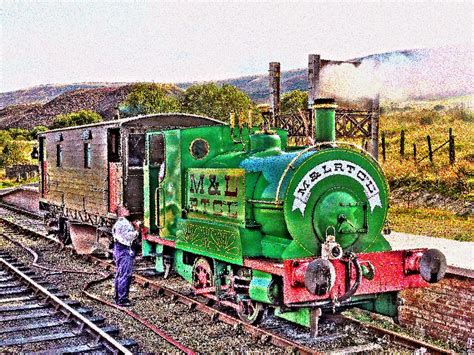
[325,120]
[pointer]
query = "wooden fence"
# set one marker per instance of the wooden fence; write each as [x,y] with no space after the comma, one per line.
[431,150]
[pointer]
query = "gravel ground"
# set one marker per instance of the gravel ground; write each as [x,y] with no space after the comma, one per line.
[192,328]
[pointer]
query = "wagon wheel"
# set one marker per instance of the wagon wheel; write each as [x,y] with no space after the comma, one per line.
[202,274]
[250,311]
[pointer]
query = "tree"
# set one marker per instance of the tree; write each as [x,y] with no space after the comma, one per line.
[18,133]
[79,118]
[5,137]
[293,101]
[148,98]
[214,101]
[33,134]
[13,152]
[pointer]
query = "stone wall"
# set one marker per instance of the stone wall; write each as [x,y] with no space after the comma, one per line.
[21,172]
[443,311]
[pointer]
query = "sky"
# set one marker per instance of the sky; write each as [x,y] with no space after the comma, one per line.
[116,41]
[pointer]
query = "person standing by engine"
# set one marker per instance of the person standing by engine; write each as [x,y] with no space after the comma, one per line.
[124,234]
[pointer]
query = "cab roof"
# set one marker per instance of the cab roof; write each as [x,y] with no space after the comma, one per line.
[167,120]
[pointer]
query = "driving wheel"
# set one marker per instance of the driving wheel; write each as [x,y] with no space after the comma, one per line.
[250,311]
[202,274]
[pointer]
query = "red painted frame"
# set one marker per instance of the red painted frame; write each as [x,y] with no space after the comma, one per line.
[394,271]
[157,239]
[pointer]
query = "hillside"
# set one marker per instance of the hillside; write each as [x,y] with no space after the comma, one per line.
[102,100]
[424,74]
[45,93]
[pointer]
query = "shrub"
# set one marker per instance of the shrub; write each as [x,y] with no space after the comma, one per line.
[33,134]
[294,101]
[148,98]
[216,102]
[5,136]
[460,113]
[13,152]
[76,119]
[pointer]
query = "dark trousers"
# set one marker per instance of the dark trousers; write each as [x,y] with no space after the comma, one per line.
[123,257]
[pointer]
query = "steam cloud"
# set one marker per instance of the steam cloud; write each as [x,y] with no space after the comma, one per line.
[428,73]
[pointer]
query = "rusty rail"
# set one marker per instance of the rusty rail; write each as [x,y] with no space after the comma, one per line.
[135,316]
[399,338]
[35,256]
[263,334]
[83,322]
[150,326]
[215,315]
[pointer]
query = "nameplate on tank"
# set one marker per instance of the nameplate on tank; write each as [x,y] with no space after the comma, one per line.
[216,193]
[329,168]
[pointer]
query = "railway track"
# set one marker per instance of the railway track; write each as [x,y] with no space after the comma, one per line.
[37,317]
[271,333]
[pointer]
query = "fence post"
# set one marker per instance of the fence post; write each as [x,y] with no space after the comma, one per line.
[452,153]
[414,152]
[430,150]
[274,83]
[383,147]
[402,143]
[374,126]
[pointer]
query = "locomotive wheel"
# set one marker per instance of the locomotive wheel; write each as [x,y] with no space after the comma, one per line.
[202,274]
[250,311]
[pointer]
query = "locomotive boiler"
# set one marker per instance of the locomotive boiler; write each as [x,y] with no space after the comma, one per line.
[254,224]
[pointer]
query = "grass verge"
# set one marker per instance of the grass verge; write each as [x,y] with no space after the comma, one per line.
[432,222]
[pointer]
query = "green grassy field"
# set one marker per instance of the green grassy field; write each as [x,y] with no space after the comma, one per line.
[434,118]
[418,122]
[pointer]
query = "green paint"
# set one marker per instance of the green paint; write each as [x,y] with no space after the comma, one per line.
[263,288]
[302,316]
[162,196]
[273,247]
[385,304]
[216,194]
[159,265]
[183,269]
[325,122]
[223,204]
[215,240]
[332,196]
[148,248]
[251,242]
[220,270]
[261,142]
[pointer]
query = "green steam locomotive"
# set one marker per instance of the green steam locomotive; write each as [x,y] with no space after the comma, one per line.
[250,222]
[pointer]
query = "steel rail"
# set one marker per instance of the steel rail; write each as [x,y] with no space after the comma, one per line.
[84,323]
[265,335]
[20,210]
[215,315]
[35,256]
[399,338]
[150,326]
[135,316]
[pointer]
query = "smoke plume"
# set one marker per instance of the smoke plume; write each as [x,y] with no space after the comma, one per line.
[416,74]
